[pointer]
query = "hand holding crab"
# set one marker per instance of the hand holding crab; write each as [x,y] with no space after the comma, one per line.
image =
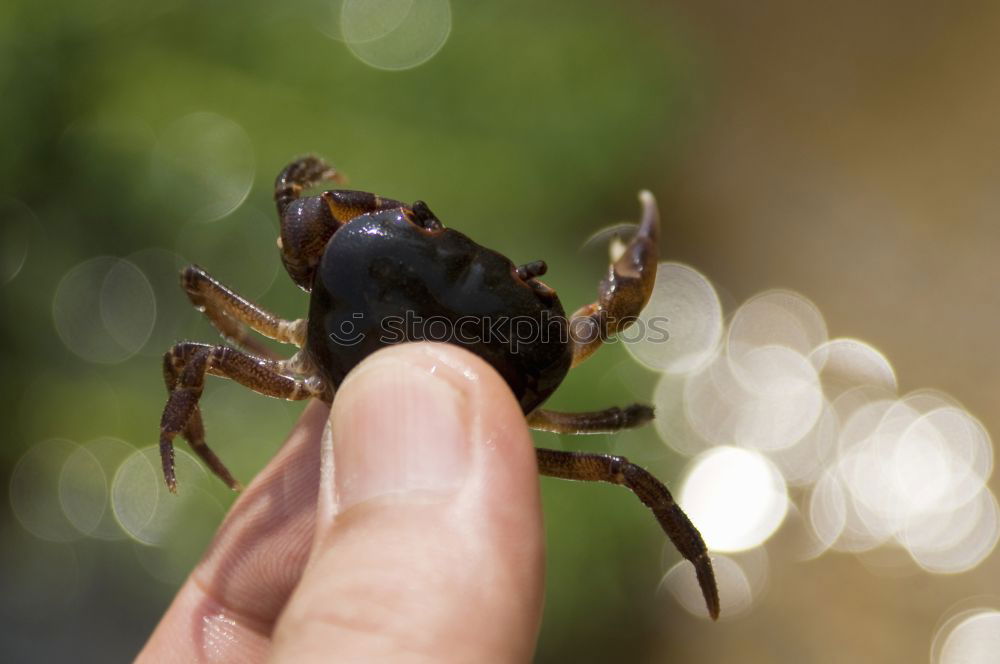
[358,253]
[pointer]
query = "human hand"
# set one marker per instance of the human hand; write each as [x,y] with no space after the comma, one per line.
[411,533]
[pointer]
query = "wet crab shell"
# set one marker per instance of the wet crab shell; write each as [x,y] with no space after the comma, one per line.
[383,280]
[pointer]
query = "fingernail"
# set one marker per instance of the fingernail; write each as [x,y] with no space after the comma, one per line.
[400,425]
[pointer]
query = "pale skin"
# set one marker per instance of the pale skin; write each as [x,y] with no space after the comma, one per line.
[355,547]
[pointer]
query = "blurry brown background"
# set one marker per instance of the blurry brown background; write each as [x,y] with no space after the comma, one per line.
[851,151]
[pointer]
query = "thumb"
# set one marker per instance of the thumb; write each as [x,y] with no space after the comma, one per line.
[429,543]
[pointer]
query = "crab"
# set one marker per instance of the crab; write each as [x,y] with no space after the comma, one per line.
[375,267]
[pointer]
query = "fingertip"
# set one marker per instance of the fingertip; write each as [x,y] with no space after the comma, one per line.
[434,482]
[227,608]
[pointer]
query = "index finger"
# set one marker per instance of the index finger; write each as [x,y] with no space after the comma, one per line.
[227,608]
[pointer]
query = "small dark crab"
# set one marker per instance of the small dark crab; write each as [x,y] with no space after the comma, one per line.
[372,264]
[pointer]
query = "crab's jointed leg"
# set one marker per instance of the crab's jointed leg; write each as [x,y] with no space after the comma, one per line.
[624,291]
[184,369]
[653,494]
[299,175]
[232,314]
[608,420]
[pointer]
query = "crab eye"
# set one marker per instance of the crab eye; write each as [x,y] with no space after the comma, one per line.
[532,270]
[423,217]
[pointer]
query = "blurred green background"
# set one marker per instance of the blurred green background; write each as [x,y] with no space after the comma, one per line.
[845,151]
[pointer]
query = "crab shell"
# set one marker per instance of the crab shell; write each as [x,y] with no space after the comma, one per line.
[384,280]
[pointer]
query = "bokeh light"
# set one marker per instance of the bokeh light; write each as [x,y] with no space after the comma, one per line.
[84,486]
[711,402]
[892,478]
[736,594]
[368,20]
[34,490]
[671,422]
[174,314]
[104,310]
[972,637]
[83,490]
[16,232]
[127,305]
[804,462]
[950,542]
[143,506]
[827,511]
[679,330]
[202,167]
[737,497]
[776,318]
[847,363]
[785,399]
[395,34]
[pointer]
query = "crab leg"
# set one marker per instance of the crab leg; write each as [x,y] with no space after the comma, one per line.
[653,494]
[608,420]
[308,223]
[184,369]
[624,291]
[299,175]
[194,429]
[231,314]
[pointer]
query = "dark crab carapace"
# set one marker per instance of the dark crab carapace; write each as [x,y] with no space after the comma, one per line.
[378,271]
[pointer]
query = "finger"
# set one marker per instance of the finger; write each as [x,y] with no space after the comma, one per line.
[227,608]
[431,549]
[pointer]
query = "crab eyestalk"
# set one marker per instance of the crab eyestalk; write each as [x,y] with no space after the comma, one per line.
[423,217]
[532,270]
